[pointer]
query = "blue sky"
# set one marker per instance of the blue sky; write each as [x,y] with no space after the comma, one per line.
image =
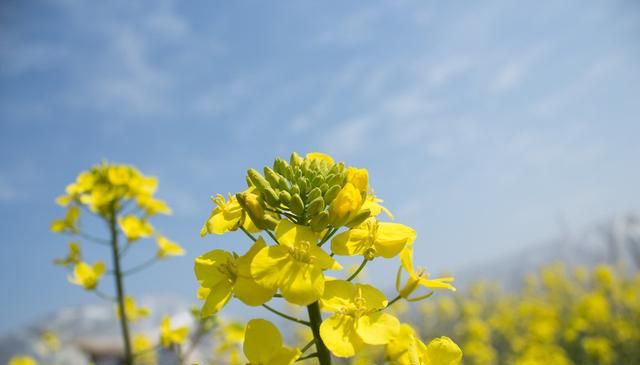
[482,125]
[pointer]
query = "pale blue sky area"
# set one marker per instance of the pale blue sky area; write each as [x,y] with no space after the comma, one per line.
[482,124]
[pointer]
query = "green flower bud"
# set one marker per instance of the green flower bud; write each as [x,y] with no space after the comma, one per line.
[331,194]
[283,184]
[360,217]
[285,197]
[272,176]
[296,160]
[314,193]
[296,205]
[336,179]
[271,197]
[294,189]
[317,180]
[258,180]
[320,221]
[303,184]
[316,206]
[251,205]
[270,221]
[324,187]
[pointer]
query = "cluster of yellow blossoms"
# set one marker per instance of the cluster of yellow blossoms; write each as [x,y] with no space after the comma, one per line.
[586,318]
[290,212]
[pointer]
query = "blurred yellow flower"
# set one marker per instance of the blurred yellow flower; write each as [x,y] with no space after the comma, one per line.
[169,336]
[417,278]
[167,247]
[132,311]
[135,227]
[86,275]
[143,350]
[22,360]
[73,257]
[372,239]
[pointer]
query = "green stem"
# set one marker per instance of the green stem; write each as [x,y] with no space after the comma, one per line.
[128,357]
[248,234]
[393,301]
[142,266]
[315,354]
[362,265]
[283,315]
[324,357]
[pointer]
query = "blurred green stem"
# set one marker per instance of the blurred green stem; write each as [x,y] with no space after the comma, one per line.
[128,358]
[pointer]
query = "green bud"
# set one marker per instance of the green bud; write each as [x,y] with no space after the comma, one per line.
[296,160]
[324,187]
[258,180]
[316,206]
[303,183]
[331,194]
[249,183]
[285,197]
[296,205]
[294,189]
[251,205]
[336,179]
[319,222]
[283,184]
[360,217]
[314,193]
[272,176]
[317,180]
[270,221]
[271,197]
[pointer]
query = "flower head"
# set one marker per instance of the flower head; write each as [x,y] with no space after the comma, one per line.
[345,206]
[87,275]
[417,278]
[73,257]
[22,360]
[295,266]
[167,248]
[223,274]
[69,223]
[132,312]
[357,319]
[373,238]
[227,216]
[169,336]
[407,349]
[143,350]
[135,227]
[263,345]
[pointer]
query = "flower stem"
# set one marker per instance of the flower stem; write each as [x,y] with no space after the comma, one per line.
[286,316]
[128,358]
[324,357]
[362,265]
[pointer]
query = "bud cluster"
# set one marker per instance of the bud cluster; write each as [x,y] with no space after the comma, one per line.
[302,189]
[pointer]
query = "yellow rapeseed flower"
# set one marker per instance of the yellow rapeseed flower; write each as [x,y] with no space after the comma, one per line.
[263,345]
[169,336]
[408,349]
[166,247]
[224,274]
[419,277]
[69,223]
[359,178]
[87,275]
[135,227]
[357,319]
[295,266]
[73,257]
[132,311]
[22,360]
[372,239]
[227,216]
[143,350]
[320,157]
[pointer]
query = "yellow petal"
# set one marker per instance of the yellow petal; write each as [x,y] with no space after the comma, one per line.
[339,335]
[375,299]
[266,266]
[443,351]
[377,328]
[288,233]
[250,293]
[337,295]
[391,238]
[351,242]
[261,341]
[217,298]
[284,356]
[301,283]
[321,157]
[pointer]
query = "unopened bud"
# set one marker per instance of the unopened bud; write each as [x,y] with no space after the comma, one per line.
[271,197]
[296,205]
[285,197]
[331,194]
[271,176]
[316,206]
[319,222]
[296,160]
[258,180]
[357,219]
[251,205]
[314,193]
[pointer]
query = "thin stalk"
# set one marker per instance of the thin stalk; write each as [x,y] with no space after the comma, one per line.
[310,356]
[128,356]
[286,316]
[248,233]
[307,346]
[273,236]
[393,301]
[142,266]
[362,265]
[324,357]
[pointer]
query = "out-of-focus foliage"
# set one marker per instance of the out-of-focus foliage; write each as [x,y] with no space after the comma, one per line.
[584,317]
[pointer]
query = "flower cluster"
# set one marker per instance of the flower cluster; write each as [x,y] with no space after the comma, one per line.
[587,317]
[290,211]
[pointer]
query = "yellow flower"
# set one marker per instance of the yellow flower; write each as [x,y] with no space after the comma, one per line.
[346,204]
[373,204]
[407,349]
[119,174]
[359,178]
[320,157]
[86,275]
[167,247]
[417,278]
[295,266]
[225,274]
[132,311]
[357,319]
[73,257]
[69,223]
[50,340]
[227,216]
[372,239]
[151,205]
[143,350]
[169,336]
[263,345]
[22,360]
[135,228]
